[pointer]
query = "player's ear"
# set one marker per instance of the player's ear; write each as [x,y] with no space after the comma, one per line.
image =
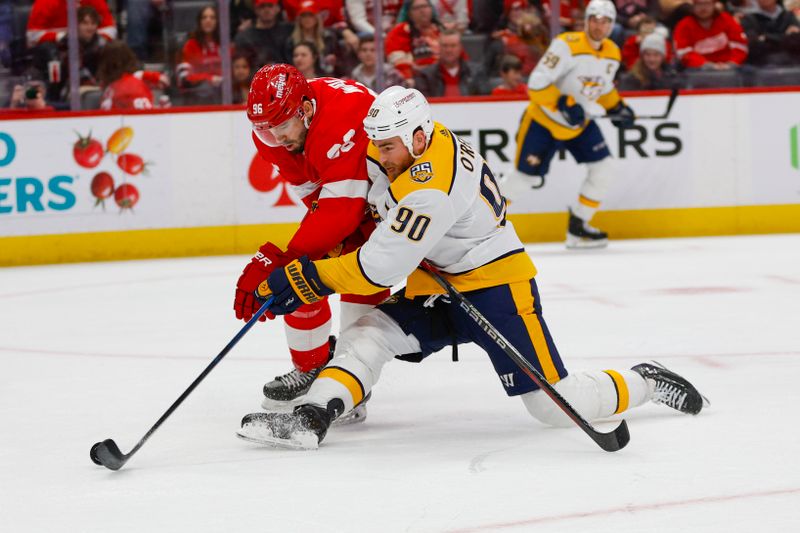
[308,109]
[419,141]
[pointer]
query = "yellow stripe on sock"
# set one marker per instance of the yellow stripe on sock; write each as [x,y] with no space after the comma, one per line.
[623,397]
[588,202]
[347,379]
[523,299]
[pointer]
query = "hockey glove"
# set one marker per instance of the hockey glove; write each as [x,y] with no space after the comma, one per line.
[572,112]
[267,259]
[622,115]
[296,284]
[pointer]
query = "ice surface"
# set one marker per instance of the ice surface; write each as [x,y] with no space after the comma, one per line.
[92,351]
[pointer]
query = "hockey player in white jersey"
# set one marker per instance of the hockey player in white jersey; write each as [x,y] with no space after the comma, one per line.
[574,78]
[438,201]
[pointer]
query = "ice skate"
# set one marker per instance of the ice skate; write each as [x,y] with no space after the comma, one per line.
[671,389]
[302,429]
[281,393]
[582,235]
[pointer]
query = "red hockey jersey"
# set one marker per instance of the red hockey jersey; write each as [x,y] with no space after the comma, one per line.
[724,41]
[331,173]
[199,63]
[48,20]
[128,92]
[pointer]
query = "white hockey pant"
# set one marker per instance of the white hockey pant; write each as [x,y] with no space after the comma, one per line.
[361,351]
[599,177]
[593,394]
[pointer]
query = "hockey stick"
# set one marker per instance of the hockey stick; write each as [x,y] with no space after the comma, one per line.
[610,442]
[673,95]
[108,454]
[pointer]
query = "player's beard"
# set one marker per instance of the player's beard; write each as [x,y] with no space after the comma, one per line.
[298,144]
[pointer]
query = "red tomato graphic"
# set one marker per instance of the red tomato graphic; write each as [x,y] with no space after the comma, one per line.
[87,152]
[264,177]
[131,164]
[102,187]
[126,196]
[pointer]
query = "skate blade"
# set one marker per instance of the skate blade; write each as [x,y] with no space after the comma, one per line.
[300,440]
[356,416]
[574,243]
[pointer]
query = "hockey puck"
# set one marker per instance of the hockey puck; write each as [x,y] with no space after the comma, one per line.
[93,454]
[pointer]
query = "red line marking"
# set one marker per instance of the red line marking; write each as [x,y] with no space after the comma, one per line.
[628,509]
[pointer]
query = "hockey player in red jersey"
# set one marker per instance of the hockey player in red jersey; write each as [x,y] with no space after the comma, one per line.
[313,131]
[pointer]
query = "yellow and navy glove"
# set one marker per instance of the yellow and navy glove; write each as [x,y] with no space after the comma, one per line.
[292,286]
[622,116]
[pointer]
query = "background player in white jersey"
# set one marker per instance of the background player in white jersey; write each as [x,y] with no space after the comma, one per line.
[438,201]
[575,75]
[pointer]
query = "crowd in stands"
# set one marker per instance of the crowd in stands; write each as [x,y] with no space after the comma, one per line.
[443,47]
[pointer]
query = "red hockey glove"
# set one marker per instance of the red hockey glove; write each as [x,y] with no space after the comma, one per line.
[292,286]
[267,259]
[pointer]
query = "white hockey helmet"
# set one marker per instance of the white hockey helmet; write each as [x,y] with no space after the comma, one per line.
[398,112]
[601,8]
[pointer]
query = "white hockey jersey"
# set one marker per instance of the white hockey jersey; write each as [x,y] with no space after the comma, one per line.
[572,67]
[445,208]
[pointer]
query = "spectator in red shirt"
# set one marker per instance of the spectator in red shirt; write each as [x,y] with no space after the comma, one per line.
[709,39]
[201,63]
[511,72]
[48,20]
[122,89]
[630,50]
[526,37]
[451,75]
[453,14]
[414,43]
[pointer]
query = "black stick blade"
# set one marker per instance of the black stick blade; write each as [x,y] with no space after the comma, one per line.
[107,454]
[614,440]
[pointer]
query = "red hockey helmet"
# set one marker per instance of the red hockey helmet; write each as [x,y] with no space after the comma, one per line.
[276,94]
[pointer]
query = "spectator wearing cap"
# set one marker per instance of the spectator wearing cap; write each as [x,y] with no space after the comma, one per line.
[366,71]
[308,27]
[511,72]
[650,71]
[361,12]
[331,12]
[451,75]
[630,50]
[414,43]
[773,35]
[710,39]
[267,38]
